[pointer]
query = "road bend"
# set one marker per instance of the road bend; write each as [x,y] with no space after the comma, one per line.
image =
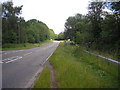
[19,66]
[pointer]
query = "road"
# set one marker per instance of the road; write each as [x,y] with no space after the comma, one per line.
[19,66]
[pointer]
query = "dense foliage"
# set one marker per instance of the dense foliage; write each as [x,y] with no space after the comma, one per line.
[99,30]
[16,30]
[60,36]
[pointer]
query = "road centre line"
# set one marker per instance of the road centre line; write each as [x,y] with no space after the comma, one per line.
[10,52]
[4,53]
[14,60]
[21,50]
[16,51]
[1,62]
[27,53]
[8,60]
[37,50]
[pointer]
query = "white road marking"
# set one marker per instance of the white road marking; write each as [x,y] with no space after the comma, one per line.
[49,56]
[21,50]
[11,59]
[5,59]
[37,50]
[2,53]
[5,53]
[1,62]
[16,51]
[30,84]
[27,53]
[14,60]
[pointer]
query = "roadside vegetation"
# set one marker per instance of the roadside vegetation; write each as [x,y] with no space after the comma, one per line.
[43,79]
[103,53]
[78,69]
[98,30]
[24,46]
[18,33]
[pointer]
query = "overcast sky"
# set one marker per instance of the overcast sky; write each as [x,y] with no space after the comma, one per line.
[52,12]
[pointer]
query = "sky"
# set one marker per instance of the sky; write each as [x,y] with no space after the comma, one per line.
[52,12]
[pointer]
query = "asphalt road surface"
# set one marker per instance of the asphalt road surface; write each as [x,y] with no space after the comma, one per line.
[19,66]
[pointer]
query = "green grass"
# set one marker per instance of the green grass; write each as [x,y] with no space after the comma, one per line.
[44,79]
[78,69]
[23,46]
[105,54]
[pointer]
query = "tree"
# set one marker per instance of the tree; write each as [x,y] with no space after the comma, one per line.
[60,36]
[10,20]
[16,30]
[113,25]
[52,34]
[79,38]
[116,7]
[97,30]
[70,28]
[95,18]
[37,30]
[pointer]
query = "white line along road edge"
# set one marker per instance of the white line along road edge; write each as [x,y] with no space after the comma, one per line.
[31,82]
[49,55]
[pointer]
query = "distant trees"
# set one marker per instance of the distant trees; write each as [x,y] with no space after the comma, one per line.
[16,30]
[96,30]
[37,31]
[60,36]
[52,34]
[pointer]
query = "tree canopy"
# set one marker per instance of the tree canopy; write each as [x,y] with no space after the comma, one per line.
[16,30]
[96,30]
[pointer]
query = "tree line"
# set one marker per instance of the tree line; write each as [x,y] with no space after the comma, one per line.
[16,30]
[98,29]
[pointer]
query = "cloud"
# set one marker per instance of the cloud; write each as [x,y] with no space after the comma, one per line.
[52,12]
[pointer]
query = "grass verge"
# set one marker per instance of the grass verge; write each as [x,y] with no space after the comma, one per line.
[77,69]
[105,54]
[44,79]
[23,46]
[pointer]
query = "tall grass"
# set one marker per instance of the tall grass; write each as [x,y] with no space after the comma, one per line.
[77,69]
[106,53]
[44,79]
